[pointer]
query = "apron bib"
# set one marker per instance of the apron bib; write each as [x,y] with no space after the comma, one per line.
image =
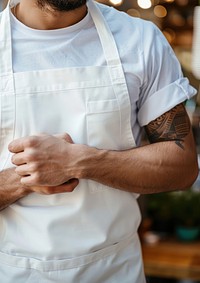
[69,237]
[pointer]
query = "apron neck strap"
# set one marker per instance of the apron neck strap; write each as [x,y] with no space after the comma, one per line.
[105,35]
[5,42]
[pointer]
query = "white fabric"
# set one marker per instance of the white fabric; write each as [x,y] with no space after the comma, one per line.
[88,235]
[100,271]
[153,83]
[71,237]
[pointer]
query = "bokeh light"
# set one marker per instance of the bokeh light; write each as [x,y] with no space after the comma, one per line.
[116,2]
[144,4]
[133,13]
[160,11]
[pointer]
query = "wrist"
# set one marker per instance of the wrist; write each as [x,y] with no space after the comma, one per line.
[23,191]
[89,161]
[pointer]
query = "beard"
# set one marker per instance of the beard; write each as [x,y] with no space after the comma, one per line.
[61,5]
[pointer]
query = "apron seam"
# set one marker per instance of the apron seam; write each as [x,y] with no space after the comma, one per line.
[62,90]
[62,263]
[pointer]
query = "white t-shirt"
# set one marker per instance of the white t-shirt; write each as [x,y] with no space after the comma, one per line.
[153,73]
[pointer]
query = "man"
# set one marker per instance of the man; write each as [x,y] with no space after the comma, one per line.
[78,82]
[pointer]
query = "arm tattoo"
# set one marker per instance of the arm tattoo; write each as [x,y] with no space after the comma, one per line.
[174,125]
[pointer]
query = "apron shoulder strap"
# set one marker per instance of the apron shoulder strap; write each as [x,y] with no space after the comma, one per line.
[5,42]
[106,37]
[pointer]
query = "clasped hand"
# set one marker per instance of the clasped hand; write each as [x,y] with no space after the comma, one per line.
[45,163]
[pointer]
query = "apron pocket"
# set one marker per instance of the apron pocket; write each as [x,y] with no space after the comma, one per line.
[116,263]
[104,124]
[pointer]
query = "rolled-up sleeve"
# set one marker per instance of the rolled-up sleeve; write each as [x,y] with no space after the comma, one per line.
[163,84]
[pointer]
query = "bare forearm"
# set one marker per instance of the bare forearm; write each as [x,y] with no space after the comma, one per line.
[150,169]
[168,163]
[10,188]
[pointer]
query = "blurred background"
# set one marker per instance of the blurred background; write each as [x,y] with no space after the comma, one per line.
[170,228]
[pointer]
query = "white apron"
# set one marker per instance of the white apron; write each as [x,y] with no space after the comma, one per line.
[89,235]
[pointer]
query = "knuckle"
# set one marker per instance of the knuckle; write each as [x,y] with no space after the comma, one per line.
[33,167]
[17,170]
[31,156]
[30,141]
[24,182]
[36,178]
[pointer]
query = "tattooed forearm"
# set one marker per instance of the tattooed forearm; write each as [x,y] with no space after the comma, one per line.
[174,125]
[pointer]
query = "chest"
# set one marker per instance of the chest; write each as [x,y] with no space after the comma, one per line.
[81,48]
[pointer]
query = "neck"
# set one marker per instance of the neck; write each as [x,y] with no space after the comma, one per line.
[30,14]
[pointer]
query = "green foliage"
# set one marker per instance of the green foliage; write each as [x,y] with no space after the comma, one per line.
[181,208]
[159,205]
[186,208]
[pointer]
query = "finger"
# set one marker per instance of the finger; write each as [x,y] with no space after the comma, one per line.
[64,188]
[28,181]
[67,187]
[22,170]
[49,190]
[21,144]
[70,185]
[16,145]
[18,158]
